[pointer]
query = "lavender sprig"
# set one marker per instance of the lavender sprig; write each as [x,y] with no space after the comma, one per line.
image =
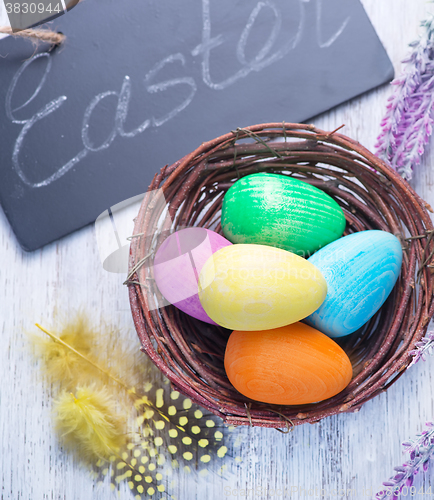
[420,450]
[423,347]
[407,125]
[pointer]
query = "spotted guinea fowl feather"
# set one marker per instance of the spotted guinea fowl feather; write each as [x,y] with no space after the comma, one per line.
[128,427]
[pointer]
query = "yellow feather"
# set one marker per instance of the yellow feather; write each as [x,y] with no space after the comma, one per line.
[94,421]
[104,377]
[81,352]
[88,424]
[61,364]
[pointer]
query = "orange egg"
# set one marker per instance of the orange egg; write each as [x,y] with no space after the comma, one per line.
[290,365]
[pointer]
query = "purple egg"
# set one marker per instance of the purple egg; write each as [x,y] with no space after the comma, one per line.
[177,265]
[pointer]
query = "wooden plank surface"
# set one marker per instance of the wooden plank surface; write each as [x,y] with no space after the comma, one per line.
[350,451]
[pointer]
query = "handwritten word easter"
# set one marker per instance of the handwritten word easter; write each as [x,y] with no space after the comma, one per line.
[263,59]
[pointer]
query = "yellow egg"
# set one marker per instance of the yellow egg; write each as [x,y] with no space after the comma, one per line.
[258,287]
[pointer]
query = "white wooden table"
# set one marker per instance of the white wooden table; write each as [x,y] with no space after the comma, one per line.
[350,451]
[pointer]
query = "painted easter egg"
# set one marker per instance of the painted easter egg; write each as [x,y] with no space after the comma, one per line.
[277,210]
[360,269]
[177,265]
[257,287]
[291,365]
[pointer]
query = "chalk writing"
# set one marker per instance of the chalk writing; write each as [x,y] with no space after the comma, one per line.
[159,87]
[270,52]
[123,101]
[335,36]
[260,61]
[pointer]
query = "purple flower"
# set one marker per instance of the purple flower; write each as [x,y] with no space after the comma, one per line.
[420,451]
[407,125]
[423,347]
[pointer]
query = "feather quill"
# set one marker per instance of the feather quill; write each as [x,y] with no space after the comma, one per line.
[63,365]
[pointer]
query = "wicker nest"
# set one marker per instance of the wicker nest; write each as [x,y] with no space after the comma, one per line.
[373,196]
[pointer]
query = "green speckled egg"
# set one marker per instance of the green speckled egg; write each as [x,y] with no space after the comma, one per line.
[280,211]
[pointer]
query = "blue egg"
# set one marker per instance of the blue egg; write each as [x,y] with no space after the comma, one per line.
[361,270]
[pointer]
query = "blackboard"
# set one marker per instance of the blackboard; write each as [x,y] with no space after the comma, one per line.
[137,85]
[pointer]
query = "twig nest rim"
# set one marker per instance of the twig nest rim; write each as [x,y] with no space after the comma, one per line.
[372,195]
